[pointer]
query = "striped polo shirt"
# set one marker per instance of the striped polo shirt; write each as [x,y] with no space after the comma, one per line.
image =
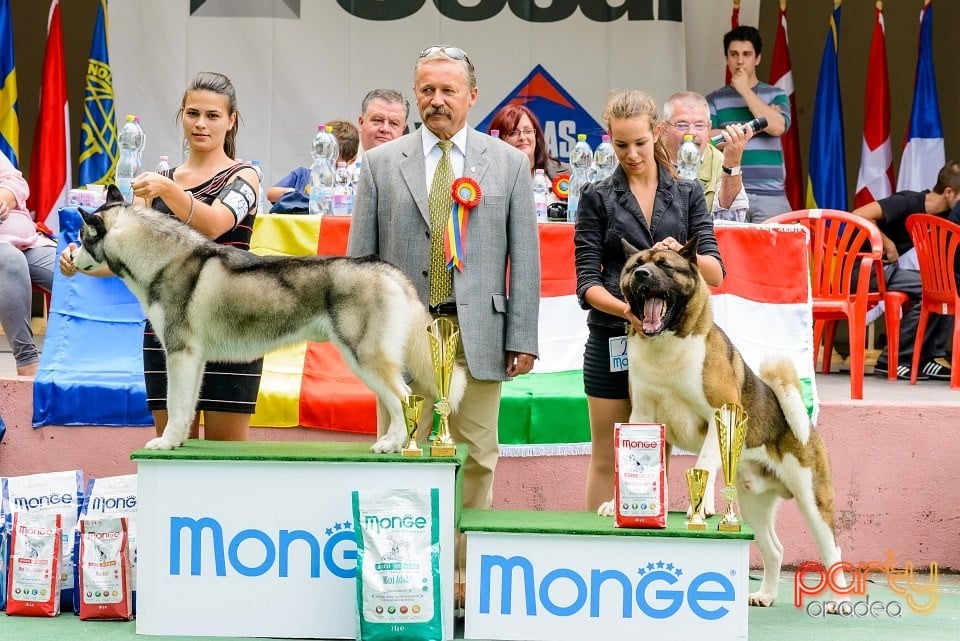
[763,157]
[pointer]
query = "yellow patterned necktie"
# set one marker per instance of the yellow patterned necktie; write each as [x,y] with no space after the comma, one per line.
[441,203]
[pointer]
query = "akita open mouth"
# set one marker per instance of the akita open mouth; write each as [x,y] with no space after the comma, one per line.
[656,310]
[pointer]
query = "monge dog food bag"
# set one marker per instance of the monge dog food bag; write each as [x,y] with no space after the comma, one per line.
[33,585]
[53,492]
[398,564]
[103,565]
[4,554]
[641,475]
[110,496]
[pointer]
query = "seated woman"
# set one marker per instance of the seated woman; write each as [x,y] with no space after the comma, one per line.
[519,127]
[26,258]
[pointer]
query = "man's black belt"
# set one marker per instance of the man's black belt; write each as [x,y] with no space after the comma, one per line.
[444,309]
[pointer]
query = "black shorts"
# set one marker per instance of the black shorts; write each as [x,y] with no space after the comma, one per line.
[598,380]
[226,387]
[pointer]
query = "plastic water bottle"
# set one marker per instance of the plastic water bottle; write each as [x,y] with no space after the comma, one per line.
[604,158]
[355,175]
[163,164]
[581,163]
[342,193]
[495,133]
[325,151]
[261,196]
[128,164]
[541,187]
[688,158]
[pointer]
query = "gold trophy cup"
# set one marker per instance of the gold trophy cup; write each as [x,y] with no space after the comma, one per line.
[444,340]
[731,430]
[697,487]
[412,409]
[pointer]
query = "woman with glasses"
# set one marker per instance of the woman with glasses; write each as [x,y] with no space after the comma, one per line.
[645,203]
[519,127]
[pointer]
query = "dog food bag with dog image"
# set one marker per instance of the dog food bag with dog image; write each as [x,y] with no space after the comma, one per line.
[33,585]
[641,475]
[110,496]
[398,564]
[104,569]
[51,492]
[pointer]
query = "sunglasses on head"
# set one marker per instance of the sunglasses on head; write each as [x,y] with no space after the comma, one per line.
[451,52]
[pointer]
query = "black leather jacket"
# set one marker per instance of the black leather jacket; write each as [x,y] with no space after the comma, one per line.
[608,211]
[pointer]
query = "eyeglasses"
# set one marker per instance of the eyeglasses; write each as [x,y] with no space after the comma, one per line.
[687,126]
[516,133]
[451,52]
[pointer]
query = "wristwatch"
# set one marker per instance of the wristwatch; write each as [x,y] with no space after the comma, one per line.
[731,171]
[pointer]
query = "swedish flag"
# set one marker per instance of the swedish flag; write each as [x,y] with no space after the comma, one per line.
[98,131]
[9,120]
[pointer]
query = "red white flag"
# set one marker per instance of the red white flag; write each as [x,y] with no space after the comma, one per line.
[50,161]
[875,180]
[781,76]
[734,23]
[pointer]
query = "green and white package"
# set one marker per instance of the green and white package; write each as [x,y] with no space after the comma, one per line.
[398,564]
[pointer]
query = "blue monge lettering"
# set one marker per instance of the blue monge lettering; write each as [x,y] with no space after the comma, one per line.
[28,503]
[274,548]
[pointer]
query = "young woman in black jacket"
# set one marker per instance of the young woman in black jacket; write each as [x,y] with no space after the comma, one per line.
[644,202]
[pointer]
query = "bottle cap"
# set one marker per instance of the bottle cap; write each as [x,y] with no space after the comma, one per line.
[130,117]
[605,138]
[164,159]
[495,133]
[687,137]
[581,137]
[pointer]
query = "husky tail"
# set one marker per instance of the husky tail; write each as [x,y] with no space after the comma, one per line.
[781,376]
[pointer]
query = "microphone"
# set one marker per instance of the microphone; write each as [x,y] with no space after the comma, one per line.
[756,124]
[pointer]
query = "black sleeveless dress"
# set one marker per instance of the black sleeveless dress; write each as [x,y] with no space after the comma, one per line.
[226,387]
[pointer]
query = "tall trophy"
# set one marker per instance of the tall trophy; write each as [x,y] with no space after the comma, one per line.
[731,430]
[697,486]
[444,340]
[412,410]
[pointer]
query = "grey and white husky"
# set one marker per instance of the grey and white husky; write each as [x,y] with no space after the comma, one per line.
[209,302]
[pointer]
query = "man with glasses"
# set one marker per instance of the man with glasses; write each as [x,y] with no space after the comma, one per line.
[687,112]
[403,207]
[744,99]
[383,117]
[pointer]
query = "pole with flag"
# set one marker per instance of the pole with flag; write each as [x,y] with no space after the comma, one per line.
[781,76]
[734,23]
[875,180]
[98,131]
[827,178]
[9,118]
[50,161]
[923,152]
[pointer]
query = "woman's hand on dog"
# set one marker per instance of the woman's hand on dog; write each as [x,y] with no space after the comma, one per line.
[67,268]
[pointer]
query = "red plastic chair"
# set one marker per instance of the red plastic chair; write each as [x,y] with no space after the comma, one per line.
[840,266]
[936,240]
[46,299]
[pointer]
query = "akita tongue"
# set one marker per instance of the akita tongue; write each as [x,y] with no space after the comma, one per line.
[652,314]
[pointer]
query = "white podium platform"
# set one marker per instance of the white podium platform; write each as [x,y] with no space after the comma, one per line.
[573,576]
[256,539]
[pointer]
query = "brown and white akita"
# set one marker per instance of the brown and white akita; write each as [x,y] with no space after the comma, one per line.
[683,367]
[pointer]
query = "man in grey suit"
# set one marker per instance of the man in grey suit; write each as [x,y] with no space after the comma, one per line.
[403,195]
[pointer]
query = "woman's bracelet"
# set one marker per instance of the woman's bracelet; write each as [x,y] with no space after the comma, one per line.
[193,203]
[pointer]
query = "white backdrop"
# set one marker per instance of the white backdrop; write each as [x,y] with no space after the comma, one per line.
[292,74]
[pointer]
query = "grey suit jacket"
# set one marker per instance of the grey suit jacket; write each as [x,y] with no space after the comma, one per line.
[391,218]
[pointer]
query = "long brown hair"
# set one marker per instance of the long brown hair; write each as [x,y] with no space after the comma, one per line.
[507,120]
[221,85]
[634,104]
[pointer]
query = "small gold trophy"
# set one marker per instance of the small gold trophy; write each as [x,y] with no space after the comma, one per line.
[697,487]
[731,430]
[444,339]
[412,409]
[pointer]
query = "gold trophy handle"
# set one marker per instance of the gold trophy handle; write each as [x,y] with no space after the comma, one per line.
[731,421]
